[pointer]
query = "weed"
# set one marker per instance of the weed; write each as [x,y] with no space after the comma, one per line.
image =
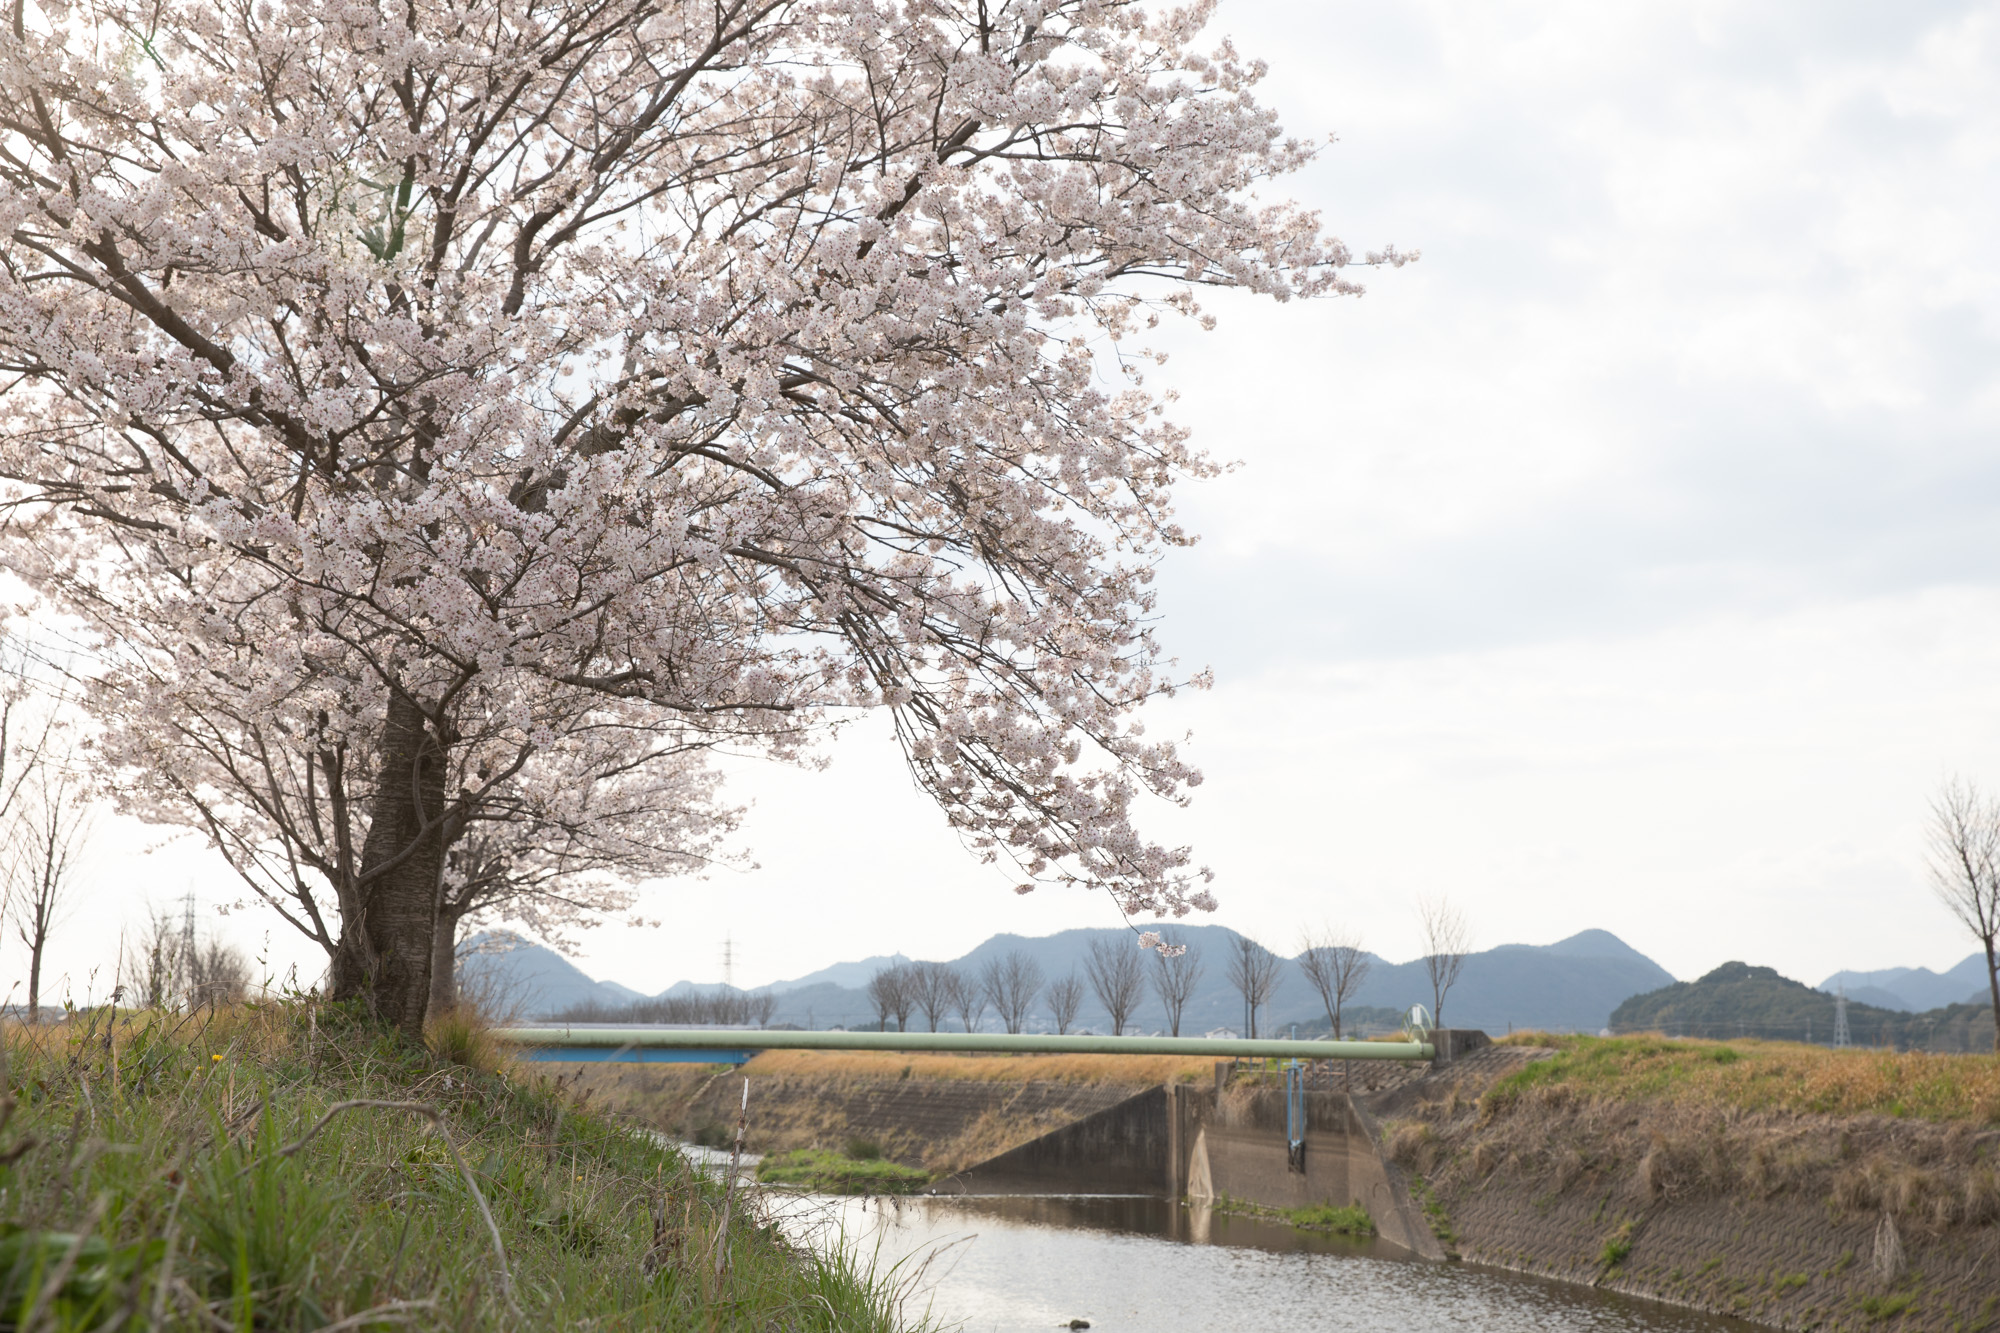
[1352,1220]
[1878,1308]
[1617,1246]
[463,1037]
[1787,1283]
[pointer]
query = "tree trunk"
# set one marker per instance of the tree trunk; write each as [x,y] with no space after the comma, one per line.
[385,955]
[1993,986]
[444,964]
[35,977]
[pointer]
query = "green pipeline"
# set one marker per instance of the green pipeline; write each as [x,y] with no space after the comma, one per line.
[738,1039]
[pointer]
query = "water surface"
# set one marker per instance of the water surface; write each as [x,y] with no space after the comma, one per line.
[1002,1264]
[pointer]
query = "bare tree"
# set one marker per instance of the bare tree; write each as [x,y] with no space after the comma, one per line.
[1335,966]
[886,991]
[931,986]
[1175,975]
[217,974]
[170,966]
[1253,971]
[964,997]
[49,824]
[1065,996]
[1011,984]
[1964,836]
[1447,941]
[762,1005]
[1118,979]
[150,971]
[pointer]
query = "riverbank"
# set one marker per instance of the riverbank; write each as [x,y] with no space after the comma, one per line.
[938,1113]
[1795,1186]
[288,1166]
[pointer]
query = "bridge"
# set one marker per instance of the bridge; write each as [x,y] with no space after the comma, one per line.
[586,1043]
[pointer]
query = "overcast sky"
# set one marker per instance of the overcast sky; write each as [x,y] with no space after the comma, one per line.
[1628,562]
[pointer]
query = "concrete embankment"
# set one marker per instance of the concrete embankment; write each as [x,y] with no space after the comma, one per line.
[1794,1220]
[942,1113]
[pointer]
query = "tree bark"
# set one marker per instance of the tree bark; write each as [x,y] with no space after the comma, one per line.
[444,964]
[1993,987]
[385,956]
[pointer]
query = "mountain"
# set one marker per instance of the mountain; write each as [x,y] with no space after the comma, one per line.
[515,978]
[1572,985]
[1738,1000]
[853,975]
[1915,988]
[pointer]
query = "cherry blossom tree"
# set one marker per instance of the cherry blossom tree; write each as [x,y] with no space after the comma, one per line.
[390,387]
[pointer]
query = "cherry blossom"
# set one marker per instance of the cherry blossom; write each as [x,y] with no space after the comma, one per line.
[450,415]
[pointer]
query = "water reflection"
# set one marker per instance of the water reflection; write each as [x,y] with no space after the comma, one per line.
[996,1264]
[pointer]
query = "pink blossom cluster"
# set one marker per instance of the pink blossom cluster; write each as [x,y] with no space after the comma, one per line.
[612,380]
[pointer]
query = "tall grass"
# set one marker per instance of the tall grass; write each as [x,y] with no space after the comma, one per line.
[1066,1068]
[199,1173]
[1757,1075]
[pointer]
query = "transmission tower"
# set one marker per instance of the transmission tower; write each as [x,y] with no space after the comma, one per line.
[728,962]
[1840,1016]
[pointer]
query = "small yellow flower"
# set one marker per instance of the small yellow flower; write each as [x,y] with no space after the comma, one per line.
[215,1057]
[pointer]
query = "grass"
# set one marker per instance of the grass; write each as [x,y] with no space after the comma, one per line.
[1755,1075]
[841,1173]
[1617,1247]
[1887,1307]
[201,1173]
[1346,1221]
[1352,1220]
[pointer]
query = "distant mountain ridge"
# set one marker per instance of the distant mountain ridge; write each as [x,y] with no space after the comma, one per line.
[1571,985]
[1915,989]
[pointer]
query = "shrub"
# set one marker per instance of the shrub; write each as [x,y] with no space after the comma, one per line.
[462,1036]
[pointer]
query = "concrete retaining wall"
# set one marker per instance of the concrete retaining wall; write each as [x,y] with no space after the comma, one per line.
[1208,1143]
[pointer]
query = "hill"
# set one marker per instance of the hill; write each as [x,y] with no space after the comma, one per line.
[1739,1000]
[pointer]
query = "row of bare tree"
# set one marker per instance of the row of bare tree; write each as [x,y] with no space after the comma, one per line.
[726,1006]
[1331,959]
[1012,983]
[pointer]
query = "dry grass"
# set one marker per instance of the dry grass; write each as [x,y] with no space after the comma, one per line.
[1754,1075]
[836,1065]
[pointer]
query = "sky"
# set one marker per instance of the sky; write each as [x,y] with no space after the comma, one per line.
[1625,563]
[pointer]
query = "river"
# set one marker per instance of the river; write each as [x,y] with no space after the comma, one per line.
[1010,1263]
[1002,1264]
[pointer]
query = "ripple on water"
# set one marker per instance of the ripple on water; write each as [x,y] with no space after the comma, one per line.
[997,1265]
